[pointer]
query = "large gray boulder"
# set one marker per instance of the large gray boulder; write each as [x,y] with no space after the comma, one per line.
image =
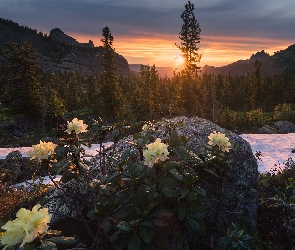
[234,197]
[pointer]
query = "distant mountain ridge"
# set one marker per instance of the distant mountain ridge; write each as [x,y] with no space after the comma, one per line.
[281,60]
[59,52]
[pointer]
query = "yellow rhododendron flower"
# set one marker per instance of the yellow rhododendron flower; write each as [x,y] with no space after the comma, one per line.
[146,126]
[25,228]
[41,150]
[156,151]
[220,140]
[77,125]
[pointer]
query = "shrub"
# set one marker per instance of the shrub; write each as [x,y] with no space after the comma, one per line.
[284,112]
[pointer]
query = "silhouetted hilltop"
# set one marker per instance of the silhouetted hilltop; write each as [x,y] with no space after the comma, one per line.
[281,60]
[59,52]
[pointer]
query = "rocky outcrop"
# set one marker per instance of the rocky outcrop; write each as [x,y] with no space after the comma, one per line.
[238,200]
[59,52]
[61,36]
[237,193]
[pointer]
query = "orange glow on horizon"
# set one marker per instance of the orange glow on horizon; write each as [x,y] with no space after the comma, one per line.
[158,49]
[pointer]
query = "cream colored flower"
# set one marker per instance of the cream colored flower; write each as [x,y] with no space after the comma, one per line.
[41,150]
[26,226]
[146,126]
[156,151]
[220,140]
[77,125]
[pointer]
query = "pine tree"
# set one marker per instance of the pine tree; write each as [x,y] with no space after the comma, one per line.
[190,39]
[111,93]
[22,92]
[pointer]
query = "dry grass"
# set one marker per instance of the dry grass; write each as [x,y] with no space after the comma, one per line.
[11,199]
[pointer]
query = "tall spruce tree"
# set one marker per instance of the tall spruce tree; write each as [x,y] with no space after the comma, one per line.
[190,39]
[22,90]
[110,90]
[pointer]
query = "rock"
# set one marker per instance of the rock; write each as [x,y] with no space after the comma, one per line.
[238,200]
[285,126]
[10,169]
[13,162]
[266,129]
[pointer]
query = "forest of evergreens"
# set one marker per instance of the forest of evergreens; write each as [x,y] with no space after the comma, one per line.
[26,90]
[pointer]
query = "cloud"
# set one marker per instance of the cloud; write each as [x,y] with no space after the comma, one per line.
[229,27]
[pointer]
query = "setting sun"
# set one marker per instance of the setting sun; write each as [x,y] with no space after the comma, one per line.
[179,61]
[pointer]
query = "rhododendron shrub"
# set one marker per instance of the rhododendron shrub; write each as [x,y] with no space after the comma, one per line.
[147,195]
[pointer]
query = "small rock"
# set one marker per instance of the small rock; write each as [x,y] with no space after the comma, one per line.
[285,126]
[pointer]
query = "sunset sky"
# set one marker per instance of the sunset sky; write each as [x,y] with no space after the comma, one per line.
[145,31]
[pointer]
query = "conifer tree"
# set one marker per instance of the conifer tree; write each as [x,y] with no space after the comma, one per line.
[22,92]
[190,39]
[111,93]
[255,87]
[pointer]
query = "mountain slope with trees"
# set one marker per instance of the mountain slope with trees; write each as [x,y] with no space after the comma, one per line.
[59,52]
[280,61]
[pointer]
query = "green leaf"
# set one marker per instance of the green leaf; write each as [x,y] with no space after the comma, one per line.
[124,226]
[65,241]
[180,152]
[152,194]
[200,191]
[133,212]
[134,242]
[92,214]
[176,175]
[192,196]
[61,152]
[234,244]
[196,205]
[27,246]
[147,224]
[292,223]
[83,166]
[169,192]
[184,192]
[167,182]
[225,241]
[169,165]
[48,245]
[246,237]
[244,245]
[68,176]
[106,225]
[146,234]
[125,155]
[115,235]
[212,172]
[120,214]
[278,193]
[181,212]
[289,193]
[193,224]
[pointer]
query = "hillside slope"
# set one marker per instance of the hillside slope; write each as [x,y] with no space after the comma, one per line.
[281,60]
[59,52]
